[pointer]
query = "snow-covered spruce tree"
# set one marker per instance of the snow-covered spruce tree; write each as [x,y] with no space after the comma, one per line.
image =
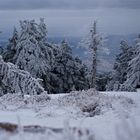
[93,44]
[133,75]
[69,71]
[119,74]
[42,29]
[32,53]
[14,80]
[10,51]
[63,56]
[80,75]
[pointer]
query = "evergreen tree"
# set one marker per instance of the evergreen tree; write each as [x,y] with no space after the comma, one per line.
[32,53]
[133,75]
[119,74]
[14,80]
[70,72]
[42,28]
[10,51]
[93,44]
[122,60]
[80,75]
[64,66]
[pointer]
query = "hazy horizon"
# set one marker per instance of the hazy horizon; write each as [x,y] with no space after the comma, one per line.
[73,18]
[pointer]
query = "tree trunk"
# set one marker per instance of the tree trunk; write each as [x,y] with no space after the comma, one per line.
[94,57]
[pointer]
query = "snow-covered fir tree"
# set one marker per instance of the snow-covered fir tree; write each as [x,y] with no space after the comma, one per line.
[32,53]
[133,75]
[42,29]
[61,69]
[119,74]
[10,51]
[93,44]
[14,80]
[70,73]
[80,75]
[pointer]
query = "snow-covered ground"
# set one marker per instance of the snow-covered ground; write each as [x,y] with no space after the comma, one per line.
[120,122]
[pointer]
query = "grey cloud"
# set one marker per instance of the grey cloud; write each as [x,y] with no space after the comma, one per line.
[67,4]
[76,22]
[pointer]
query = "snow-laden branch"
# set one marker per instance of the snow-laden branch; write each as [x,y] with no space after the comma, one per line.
[14,80]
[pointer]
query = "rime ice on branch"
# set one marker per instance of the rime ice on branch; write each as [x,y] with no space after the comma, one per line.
[14,80]
[133,75]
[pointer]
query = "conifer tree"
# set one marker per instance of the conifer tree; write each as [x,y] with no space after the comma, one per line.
[120,70]
[10,51]
[80,75]
[64,66]
[93,44]
[31,52]
[133,75]
[14,80]
[70,72]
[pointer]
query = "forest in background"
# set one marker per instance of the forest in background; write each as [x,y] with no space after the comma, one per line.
[58,70]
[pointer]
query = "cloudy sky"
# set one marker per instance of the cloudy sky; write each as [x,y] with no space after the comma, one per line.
[73,17]
[60,4]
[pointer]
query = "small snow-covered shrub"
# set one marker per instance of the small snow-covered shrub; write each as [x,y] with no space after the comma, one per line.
[78,97]
[9,100]
[17,101]
[93,102]
[41,99]
[87,101]
[12,98]
[92,109]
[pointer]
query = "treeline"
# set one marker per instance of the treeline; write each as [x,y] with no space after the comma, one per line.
[54,64]
[59,71]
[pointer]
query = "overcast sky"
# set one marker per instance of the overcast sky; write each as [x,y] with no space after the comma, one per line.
[73,17]
[39,4]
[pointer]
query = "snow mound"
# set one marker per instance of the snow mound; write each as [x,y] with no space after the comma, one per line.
[37,99]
